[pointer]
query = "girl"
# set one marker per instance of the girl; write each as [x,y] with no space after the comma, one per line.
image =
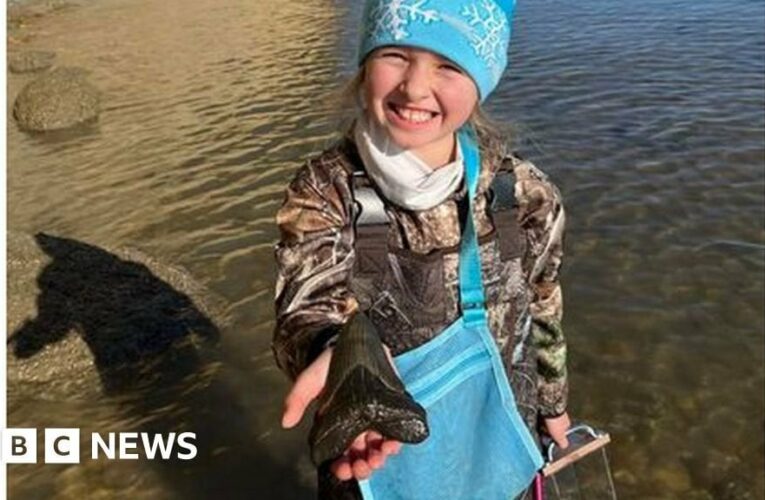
[410,220]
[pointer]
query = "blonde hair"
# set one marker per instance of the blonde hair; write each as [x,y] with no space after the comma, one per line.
[345,103]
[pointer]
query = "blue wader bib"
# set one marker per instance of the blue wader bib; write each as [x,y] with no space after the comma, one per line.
[479,447]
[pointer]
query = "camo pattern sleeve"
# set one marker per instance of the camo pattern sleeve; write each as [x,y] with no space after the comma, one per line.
[543,219]
[314,257]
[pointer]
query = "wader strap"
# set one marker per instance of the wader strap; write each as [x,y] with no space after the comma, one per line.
[470,277]
[371,227]
[504,210]
[370,205]
[503,191]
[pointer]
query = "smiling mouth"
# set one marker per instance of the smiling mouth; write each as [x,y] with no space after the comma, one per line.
[411,115]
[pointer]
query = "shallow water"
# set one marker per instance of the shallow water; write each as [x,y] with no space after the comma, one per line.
[648,116]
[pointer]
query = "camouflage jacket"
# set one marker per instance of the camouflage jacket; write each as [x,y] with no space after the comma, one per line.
[320,286]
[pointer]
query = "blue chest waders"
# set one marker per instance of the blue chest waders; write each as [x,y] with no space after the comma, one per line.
[479,447]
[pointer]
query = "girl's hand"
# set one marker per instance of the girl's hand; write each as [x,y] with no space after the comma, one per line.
[556,427]
[368,451]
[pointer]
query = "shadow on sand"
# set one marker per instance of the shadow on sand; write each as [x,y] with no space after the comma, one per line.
[155,350]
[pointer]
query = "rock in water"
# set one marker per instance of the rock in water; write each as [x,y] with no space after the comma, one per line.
[363,393]
[57,100]
[29,61]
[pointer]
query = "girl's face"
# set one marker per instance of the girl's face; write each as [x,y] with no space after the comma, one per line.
[419,98]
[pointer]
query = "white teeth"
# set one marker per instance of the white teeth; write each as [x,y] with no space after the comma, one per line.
[414,116]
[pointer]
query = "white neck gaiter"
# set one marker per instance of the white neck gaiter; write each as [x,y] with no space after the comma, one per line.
[402,177]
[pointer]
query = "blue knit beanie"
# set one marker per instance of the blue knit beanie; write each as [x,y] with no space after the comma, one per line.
[473,34]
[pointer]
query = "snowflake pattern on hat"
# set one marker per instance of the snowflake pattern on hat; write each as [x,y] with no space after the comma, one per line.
[485,18]
[394,16]
[488,22]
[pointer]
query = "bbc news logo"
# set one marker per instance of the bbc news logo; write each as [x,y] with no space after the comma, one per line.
[62,446]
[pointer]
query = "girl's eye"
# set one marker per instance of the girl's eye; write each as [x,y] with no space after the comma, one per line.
[451,67]
[397,55]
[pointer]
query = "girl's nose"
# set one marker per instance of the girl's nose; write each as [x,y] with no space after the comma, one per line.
[416,82]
